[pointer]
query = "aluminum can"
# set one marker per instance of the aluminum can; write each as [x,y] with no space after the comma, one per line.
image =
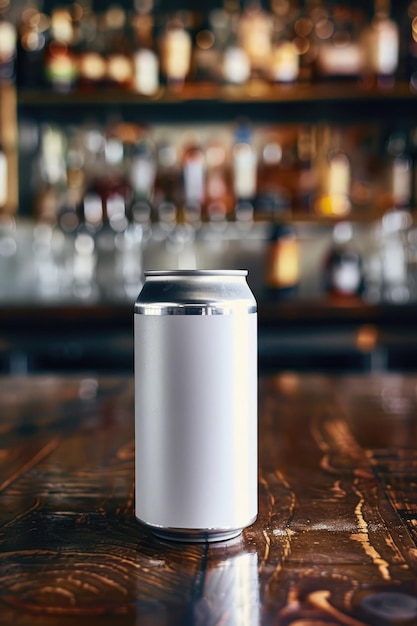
[196,404]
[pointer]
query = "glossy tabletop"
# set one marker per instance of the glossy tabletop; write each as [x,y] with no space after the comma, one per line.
[335,541]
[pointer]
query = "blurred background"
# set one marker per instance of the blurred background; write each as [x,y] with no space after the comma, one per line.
[278,136]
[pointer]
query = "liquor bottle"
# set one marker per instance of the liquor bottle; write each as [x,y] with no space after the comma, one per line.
[276,174]
[343,275]
[84,284]
[334,176]
[8,42]
[366,168]
[394,252]
[235,64]
[133,227]
[285,57]
[168,181]
[244,169]
[400,171]
[206,55]
[69,206]
[306,184]
[115,185]
[111,193]
[255,37]
[194,180]
[144,56]
[143,169]
[381,46]
[143,166]
[219,196]
[282,261]
[118,48]
[96,169]
[60,62]
[176,48]
[51,175]
[372,264]
[91,50]
[340,53]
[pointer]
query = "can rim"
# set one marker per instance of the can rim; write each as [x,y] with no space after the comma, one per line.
[199,272]
[195,292]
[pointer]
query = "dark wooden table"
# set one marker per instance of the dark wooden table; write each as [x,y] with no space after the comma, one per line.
[335,541]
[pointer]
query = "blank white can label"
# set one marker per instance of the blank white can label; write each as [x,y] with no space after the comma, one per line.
[196,421]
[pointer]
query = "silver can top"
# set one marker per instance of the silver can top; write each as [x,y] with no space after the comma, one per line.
[195,292]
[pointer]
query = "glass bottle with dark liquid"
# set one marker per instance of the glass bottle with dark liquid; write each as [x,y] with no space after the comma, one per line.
[343,275]
[282,268]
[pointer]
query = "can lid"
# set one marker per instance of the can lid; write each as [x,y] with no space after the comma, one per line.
[195,292]
[191,273]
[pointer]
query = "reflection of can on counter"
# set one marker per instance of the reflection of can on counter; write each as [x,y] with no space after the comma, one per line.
[228,590]
[196,404]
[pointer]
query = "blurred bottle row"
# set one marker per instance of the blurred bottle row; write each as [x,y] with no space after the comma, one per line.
[145,46]
[121,172]
[347,263]
[377,264]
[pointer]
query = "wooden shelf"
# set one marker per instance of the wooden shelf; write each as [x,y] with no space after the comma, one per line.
[300,312]
[293,334]
[259,92]
[338,101]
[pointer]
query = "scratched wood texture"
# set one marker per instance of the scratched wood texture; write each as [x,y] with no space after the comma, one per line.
[334,543]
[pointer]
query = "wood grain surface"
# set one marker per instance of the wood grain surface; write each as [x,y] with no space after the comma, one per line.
[335,542]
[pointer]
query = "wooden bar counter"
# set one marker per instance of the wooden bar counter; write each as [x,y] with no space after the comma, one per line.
[335,542]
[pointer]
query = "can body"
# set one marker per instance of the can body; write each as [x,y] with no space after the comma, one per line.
[196,466]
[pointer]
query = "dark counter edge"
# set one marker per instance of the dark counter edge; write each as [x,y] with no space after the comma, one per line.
[294,334]
[34,318]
